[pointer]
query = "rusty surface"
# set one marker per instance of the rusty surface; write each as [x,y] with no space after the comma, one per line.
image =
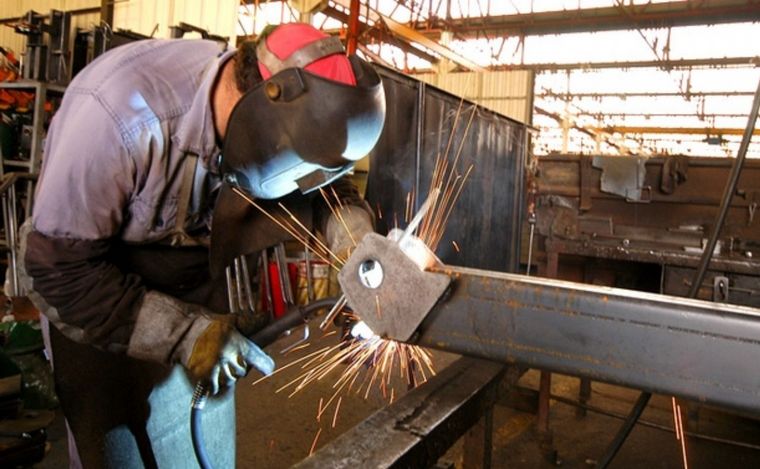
[741,289]
[698,350]
[404,296]
[418,428]
[575,219]
[653,253]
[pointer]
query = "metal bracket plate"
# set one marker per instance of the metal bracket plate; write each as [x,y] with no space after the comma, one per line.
[404,295]
[623,176]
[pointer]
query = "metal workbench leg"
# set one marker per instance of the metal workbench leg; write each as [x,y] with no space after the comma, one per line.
[584,394]
[545,436]
[548,269]
[478,443]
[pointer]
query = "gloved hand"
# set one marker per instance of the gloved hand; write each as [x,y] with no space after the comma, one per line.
[221,355]
[359,222]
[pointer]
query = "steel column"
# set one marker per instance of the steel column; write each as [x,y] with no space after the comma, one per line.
[353,27]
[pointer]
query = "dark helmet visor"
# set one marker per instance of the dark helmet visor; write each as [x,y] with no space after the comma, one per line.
[298,130]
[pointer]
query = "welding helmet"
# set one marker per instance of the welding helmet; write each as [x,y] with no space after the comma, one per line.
[314,114]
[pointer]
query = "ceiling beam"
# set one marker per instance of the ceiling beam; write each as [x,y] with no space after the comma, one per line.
[664,64]
[380,35]
[620,17]
[411,36]
[641,94]
[414,36]
[621,129]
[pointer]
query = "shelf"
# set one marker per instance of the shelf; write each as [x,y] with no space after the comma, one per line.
[32,84]
[17,163]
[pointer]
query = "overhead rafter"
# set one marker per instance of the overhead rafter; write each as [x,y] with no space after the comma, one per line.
[411,36]
[414,36]
[595,132]
[380,35]
[620,17]
[367,31]
[641,94]
[662,64]
[622,129]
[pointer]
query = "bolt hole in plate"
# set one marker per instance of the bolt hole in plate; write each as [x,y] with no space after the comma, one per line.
[371,273]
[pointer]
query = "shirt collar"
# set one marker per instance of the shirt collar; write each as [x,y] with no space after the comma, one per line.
[197,134]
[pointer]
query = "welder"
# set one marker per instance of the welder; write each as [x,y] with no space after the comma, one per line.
[136,214]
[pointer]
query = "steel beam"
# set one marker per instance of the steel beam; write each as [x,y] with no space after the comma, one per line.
[663,64]
[620,17]
[707,352]
[653,94]
[418,428]
[629,129]
[379,34]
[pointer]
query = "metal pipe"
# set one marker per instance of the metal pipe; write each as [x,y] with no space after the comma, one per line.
[239,288]
[420,107]
[10,179]
[247,284]
[728,194]
[267,287]
[6,224]
[230,290]
[646,423]
[294,317]
[12,232]
[353,27]
[624,430]
[309,279]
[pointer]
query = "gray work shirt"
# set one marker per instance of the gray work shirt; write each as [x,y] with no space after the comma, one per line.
[126,125]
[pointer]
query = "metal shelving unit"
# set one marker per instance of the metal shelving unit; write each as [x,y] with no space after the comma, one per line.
[42,91]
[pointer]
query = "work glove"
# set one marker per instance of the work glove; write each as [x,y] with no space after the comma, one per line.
[358,222]
[221,355]
[167,330]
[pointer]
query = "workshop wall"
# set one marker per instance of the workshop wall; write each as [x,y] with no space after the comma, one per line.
[507,92]
[485,221]
[145,16]
[142,16]
[17,8]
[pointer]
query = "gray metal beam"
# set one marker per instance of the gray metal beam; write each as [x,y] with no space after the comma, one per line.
[708,352]
[663,64]
[620,17]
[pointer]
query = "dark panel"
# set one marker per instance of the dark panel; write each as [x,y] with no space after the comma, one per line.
[485,221]
[393,161]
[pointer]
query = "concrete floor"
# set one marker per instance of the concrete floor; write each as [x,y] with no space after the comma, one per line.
[581,441]
[275,431]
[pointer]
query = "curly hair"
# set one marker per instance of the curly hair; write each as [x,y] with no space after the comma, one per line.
[247,73]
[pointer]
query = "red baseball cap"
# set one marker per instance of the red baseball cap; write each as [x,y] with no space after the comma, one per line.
[287,39]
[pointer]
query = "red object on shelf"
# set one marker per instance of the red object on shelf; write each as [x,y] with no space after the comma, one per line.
[279,306]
